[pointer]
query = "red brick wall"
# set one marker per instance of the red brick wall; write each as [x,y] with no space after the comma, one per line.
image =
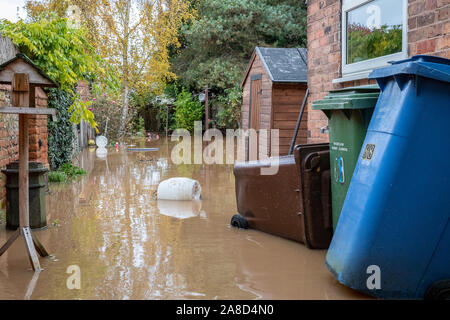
[428,33]
[84,90]
[429,27]
[9,136]
[324,59]
[38,131]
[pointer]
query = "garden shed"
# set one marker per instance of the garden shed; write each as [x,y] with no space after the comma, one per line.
[274,86]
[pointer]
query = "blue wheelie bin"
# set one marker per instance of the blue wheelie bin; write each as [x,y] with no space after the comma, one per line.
[393,236]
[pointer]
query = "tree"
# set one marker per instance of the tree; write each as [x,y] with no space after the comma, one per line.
[133,36]
[64,54]
[217,46]
[187,111]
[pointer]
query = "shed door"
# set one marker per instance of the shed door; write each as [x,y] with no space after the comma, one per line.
[255,101]
[255,109]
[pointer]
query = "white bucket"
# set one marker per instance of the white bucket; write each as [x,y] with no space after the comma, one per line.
[179,189]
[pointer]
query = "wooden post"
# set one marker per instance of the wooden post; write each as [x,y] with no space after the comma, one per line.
[23,171]
[24,203]
[167,121]
[206,108]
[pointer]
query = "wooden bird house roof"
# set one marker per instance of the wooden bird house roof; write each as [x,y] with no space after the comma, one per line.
[20,63]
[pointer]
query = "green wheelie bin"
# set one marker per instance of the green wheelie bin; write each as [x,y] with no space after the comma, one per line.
[349,111]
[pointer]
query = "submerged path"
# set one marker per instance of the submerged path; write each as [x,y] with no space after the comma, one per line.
[129,246]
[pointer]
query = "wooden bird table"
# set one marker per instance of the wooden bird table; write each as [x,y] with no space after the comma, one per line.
[24,77]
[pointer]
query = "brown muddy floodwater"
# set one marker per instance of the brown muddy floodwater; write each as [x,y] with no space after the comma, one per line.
[109,225]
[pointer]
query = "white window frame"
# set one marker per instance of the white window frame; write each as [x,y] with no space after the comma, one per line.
[361,69]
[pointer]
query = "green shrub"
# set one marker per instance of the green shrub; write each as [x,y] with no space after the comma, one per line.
[140,127]
[66,173]
[57,176]
[71,170]
[227,109]
[187,111]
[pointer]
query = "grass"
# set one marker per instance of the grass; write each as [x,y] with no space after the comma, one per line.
[66,173]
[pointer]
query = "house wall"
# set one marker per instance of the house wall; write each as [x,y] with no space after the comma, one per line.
[428,33]
[287,100]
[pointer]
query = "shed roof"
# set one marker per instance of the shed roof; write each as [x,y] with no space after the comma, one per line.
[45,81]
[287,65]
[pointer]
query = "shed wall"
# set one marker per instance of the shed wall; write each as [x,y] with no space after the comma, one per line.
[256,68]
[287,101]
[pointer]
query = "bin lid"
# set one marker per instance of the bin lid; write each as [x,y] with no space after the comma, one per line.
[361,97]
[33,167]
[422,65]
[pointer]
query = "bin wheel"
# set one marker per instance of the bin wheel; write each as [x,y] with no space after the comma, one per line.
[439,290]
[238,221]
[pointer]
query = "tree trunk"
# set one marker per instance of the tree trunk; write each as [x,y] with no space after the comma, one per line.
[126,23]
[123,120]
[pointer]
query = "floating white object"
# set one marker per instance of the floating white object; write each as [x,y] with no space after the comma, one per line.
[101,152]
[101,141]
[179,189]
[180,209]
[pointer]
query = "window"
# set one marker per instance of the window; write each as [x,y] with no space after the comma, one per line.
[373,33]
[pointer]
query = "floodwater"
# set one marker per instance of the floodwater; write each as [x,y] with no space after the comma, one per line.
[127,245]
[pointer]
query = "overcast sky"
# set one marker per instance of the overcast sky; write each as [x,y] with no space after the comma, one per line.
[9,9]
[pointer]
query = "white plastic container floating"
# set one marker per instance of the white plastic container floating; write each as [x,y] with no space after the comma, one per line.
[101,141]
[181,189]
[180,209]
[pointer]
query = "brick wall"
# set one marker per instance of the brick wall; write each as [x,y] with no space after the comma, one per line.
[428,33]
[9,136]
[429,27]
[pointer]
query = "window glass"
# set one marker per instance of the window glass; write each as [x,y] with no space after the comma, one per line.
[374,30]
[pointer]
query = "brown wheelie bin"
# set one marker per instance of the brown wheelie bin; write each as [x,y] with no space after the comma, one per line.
[295,203]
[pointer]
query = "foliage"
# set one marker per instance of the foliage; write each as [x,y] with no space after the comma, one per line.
[140,127]
[153,108]
[133,36]
[187,111]
[60,133]
[217,46]
[64,54]
[364,43]
[107,110]
[57,176]
[227,108]
[71,171]
[66,173]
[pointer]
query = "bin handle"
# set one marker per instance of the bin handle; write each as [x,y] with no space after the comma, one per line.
[299,120]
